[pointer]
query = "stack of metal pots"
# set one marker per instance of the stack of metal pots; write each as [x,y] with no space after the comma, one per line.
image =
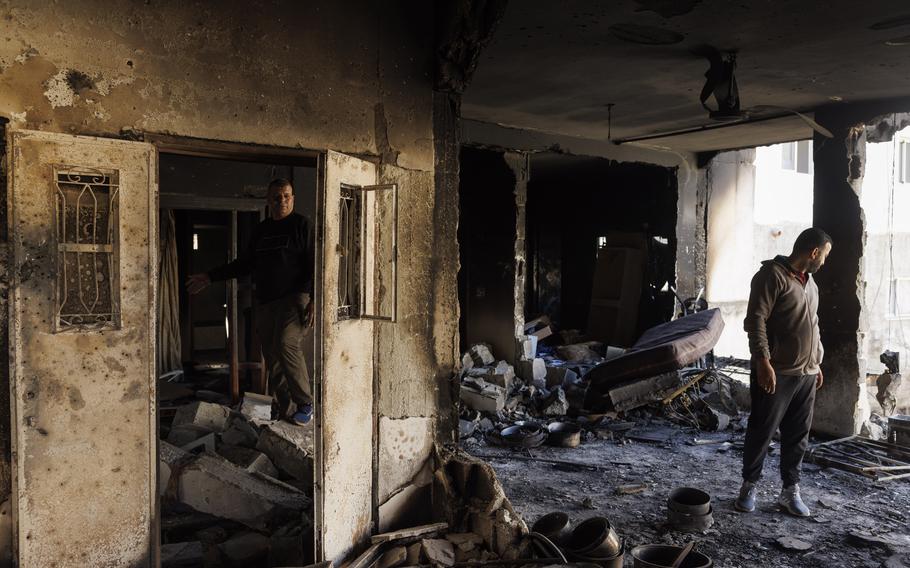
[689,510]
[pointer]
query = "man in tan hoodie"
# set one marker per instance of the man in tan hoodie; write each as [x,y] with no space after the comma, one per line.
[782,323]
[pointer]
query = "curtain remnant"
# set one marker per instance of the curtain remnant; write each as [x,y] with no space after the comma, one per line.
[169,351]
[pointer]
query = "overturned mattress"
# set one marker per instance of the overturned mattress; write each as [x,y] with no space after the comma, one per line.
[663,348]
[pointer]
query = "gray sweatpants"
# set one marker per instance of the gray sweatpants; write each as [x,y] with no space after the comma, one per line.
[281,324]
[790,409]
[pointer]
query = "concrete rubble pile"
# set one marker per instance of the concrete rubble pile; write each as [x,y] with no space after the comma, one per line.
[551,381]
[472,521]
[236,487]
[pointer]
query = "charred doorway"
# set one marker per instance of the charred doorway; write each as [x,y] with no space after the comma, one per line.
[235,484]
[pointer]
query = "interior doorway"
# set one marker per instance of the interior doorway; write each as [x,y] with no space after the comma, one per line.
[250,498]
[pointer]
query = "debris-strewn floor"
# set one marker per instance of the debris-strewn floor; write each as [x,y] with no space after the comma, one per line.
[843,504]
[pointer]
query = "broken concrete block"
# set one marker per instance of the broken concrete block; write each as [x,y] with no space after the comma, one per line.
[210,416]
[542,333]
[245,549]
[438,551]
[556,404]
[528,347]
[483,396]
[533,372]
[465,541]
[213,485]
[290,449]
[256,406]
[240,433]
[183,434]
[249,459]
[509,531]
[413,556]
[205,443]
[501,375]
[559,376]
[182,555]
[393,557]
[481,355]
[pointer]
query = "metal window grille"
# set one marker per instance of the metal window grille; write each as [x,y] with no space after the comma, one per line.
[87,219]
[349,237]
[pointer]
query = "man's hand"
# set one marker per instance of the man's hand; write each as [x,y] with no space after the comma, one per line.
[197,283]
[819,379]
[767,379]
[308,315]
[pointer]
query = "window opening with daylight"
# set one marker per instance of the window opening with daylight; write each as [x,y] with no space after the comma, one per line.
[797,157]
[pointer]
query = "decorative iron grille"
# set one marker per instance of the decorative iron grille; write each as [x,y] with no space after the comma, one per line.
[349,236]
[87,220]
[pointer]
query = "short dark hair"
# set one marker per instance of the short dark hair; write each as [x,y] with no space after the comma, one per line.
[811,239]
[278,183]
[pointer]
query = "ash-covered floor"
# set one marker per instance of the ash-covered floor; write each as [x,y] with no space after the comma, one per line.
[849,512]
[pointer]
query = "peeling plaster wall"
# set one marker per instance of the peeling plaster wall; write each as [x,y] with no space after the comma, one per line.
[313,75]
[349,76]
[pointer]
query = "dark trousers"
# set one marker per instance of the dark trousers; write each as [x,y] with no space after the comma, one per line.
[790,409]
[281,325]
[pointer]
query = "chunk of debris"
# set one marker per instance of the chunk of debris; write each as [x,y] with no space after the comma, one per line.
[290,449]
[249,459]
[895,542]
[414,554]
[631,489]
[559,376]
[205,443]
[556,404]
[501,375]
[533,372]
[256,406]
[210,416]
[422,530]
[395,556]
[465,541]
[182,555]
[478,355]
[210,484]
[637,393]
[438,551]
[183,434]
[792,543]
[528,347]
[240,433]
[483,396]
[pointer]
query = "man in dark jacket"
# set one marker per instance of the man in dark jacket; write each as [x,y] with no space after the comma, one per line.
[782,323]
[280,258]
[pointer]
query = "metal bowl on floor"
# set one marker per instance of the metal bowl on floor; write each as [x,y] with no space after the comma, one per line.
[594,538]
[690,523]
[663,555]
[524,435]
[565,434]
[690,501]
[555,526]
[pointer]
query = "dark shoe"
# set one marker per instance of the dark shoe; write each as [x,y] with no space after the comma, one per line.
[745,503]
[303,415]
[791,502]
